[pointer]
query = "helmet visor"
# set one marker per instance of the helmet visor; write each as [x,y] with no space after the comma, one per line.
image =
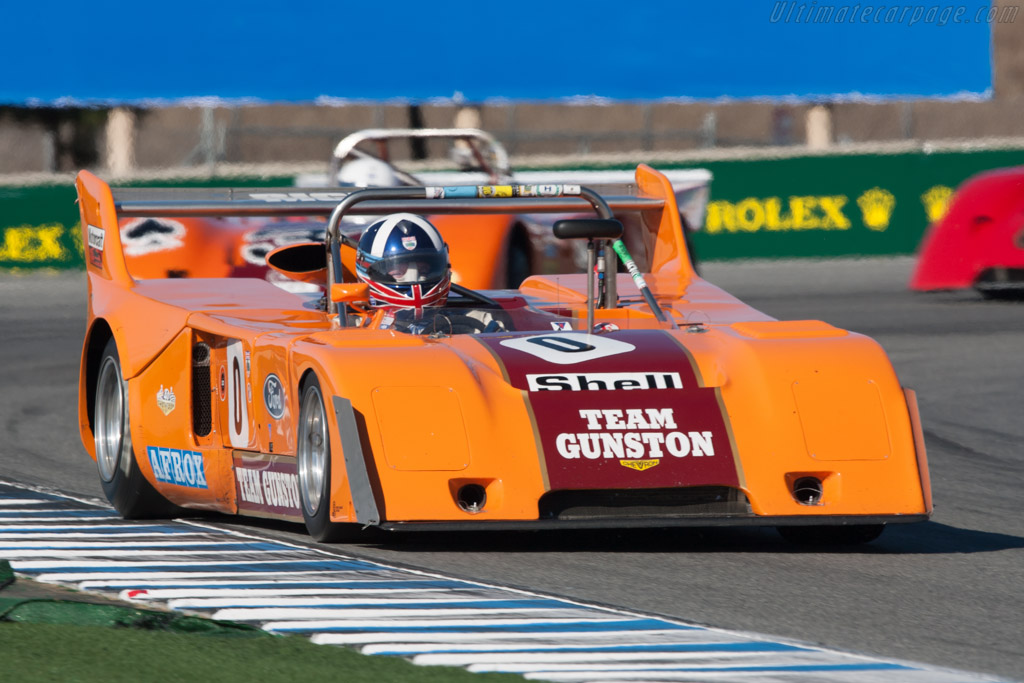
[409,268]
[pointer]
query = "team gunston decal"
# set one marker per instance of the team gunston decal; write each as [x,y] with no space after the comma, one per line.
[273,396]
[238,405]
[267,485]
[177,466]
[630,414]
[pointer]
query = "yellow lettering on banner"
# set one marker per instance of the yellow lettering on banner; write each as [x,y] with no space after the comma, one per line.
[833,208]
[773,217]
[721,217]
[76,238]
[802,209]
[876,206]
[936,202]
[33,244]
[749,215]
[808,212]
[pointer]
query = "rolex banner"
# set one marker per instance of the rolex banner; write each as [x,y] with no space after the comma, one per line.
[819,206]
[39,225]
[833,206]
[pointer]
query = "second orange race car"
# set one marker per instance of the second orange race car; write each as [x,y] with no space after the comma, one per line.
[500,254]
[580,399]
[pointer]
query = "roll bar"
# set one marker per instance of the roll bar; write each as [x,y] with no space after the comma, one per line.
[447,198]
[489,154]
[457,199]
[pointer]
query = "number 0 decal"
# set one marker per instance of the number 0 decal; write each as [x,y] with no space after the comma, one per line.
[238,407]
[566,348]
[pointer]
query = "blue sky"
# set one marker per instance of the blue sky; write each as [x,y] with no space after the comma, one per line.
[302,51]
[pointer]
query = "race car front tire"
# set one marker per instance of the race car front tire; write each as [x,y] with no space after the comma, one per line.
[314,463]
[123,483]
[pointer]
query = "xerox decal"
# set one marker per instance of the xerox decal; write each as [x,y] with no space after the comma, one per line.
[267,485]
[631,413]
[177,466]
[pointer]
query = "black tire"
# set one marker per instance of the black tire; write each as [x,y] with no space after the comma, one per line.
[691,249]
[123,483]
[313,454]
[517,266]
[853,534]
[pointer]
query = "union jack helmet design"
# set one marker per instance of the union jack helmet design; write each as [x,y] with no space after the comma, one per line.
[405,262]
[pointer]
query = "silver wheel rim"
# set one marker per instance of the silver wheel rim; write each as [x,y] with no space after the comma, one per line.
[108,427]
[313,450]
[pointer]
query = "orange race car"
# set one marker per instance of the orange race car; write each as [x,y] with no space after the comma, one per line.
[647,398]
[500,254]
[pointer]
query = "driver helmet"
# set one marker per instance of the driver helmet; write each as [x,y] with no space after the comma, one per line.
[367,173]
[405,262]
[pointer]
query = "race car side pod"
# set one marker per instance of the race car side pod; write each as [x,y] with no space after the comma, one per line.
[638,279]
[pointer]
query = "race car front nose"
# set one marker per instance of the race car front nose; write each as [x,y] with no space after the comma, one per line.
[422,428]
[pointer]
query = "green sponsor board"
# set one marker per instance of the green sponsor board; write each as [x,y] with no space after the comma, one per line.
[40,226]
[797,207]
[831,206]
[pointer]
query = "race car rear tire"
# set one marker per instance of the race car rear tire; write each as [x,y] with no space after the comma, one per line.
[853,534]
[517,266]
[123,483]
[314,463]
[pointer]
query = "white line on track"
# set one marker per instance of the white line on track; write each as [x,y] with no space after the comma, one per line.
[117,564]
[358,613]
[135,529]
[300,579]
[392,639]
[590,660]
[322,600]
[187,597]
[760,675]
[78,545]
[108,552]
[567,642]
[59,518]
[64,577]
[432,618]
[327,624]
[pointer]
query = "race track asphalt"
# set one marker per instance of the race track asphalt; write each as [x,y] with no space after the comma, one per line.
[947,592]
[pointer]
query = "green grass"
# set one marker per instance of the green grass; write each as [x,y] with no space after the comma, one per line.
[50,633]
[104,654]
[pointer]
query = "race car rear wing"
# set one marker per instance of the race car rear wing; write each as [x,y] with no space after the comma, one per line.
[154,202]
[651,195]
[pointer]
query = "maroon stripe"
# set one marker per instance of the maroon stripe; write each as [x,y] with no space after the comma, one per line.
[642,437]
[267,485]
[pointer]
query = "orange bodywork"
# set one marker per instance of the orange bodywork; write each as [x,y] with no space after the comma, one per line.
[435,413]
[208,247]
